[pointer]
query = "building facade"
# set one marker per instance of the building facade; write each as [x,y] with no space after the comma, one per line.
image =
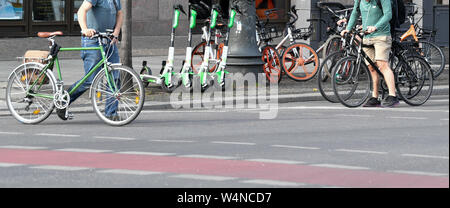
[24,18]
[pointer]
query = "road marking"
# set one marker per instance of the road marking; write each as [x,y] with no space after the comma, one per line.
[411,118]
[361,109]
[57,135]
[129,172]
[348,115]
[114,138]
[444,119]
[426,156]
[83,150]
[236,143]
[209,157]
[272,182]
[361,151]
[296,147]
[291,162]
[203,177]
[22,147]
[419,173]
[146,153]
[443,100]
[64,168]
[174,141]
[12,133]
[8,165]
[340,166]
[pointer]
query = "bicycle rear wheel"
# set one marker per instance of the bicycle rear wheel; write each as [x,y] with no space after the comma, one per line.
[433,55]
[37,105]
[272,64]
[300,62]
[324,79]
[352,86]
[333,44]
[198,55]
[414,81]
[120,105]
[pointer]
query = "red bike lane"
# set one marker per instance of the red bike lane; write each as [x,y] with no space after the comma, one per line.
[229,168]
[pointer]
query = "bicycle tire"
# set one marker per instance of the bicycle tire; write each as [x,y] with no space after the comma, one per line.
[126,98]
[345,84]
[311,59]
[434,55]
[324,76]
[272,64]
[15,102]
[330,47]
[414,82]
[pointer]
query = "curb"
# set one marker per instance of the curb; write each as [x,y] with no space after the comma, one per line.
[286,98]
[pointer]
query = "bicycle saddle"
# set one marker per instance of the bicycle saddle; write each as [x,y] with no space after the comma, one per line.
[49,34]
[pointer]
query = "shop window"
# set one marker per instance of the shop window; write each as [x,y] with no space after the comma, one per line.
[77,5]
[49,10]
[11,9]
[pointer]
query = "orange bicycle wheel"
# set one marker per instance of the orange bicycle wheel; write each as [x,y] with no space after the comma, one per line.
[272,64]
[198,55]
[300,62]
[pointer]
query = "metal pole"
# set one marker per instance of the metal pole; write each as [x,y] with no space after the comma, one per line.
[244,56]
[125,49]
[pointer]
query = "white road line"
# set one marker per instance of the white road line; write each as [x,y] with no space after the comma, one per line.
[146,153]
[82,150]
[8,165]
[236,143]
[443,100]
[209,157]
[114,138]
[22,147]
[272,182]
[340,166]
[361,151]
[12,133]
[290,162]
[295,147]
[64,168]
[174,141]
[359,116]
[129,172]
[361,109]
[203,177]
[426,156]
[444,119]
[411,118]
[419,173]
[57,135]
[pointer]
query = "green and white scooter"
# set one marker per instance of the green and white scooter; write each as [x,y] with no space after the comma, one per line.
[203,73]
[168,78]
[220,71]
[187,72]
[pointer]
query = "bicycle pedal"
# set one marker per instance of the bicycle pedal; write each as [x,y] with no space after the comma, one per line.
[69,115]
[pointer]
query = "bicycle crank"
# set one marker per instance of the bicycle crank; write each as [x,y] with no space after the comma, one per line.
[61,100]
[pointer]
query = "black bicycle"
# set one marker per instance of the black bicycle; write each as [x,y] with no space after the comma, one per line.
[352,81]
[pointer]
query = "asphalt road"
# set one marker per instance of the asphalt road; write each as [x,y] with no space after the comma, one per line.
[309,144]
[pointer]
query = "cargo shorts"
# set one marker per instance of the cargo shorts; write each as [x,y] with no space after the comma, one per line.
[381,48]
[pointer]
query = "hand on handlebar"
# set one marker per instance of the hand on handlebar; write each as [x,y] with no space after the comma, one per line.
[340,22]
[88,32]
[344,32]
[371,29]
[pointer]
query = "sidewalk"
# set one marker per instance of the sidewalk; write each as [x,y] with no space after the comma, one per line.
[289,90]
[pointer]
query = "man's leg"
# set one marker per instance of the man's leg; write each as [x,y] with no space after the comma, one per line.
[388,75]
[112,104]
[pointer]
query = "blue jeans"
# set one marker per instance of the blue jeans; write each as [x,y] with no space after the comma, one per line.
[90,59]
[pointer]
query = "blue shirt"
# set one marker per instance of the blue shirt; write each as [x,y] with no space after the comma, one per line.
[102,15]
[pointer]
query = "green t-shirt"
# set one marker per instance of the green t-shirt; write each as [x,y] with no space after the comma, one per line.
[372,15]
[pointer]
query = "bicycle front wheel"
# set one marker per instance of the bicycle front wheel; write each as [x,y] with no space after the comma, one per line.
[414,81]
[333,44]
[300,62]
[29,95]
[324,79]
[352,85]
[118,97]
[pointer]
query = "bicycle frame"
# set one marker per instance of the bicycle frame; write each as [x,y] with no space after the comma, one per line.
[54,61]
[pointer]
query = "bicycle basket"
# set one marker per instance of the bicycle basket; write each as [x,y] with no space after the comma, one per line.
[270,33]
[38,57]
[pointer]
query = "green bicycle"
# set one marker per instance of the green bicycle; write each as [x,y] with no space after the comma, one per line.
[33,91]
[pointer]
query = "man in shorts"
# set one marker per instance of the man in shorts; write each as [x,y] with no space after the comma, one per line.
[376,22]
